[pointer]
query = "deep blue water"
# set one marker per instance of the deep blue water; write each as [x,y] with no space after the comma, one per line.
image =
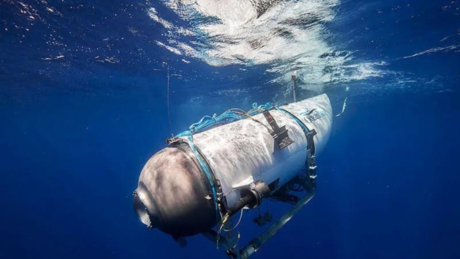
[77,129]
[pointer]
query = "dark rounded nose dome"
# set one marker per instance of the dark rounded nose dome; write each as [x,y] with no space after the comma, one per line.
[174,195]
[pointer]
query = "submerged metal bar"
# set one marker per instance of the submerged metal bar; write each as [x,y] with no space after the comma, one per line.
[228,243]
[232,240]
[256,243]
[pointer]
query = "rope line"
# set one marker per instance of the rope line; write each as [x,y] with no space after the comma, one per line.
[168,103]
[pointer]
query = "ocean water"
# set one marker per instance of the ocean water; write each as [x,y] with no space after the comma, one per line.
[83,105]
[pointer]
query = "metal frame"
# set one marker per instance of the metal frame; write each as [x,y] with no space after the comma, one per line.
[230,242]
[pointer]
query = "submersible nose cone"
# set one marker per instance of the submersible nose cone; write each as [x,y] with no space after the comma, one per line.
[171,194]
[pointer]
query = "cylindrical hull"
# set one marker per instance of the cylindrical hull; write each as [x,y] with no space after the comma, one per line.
[244,151]
[176,194]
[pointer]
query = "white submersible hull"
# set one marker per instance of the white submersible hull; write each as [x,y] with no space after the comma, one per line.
[186,188]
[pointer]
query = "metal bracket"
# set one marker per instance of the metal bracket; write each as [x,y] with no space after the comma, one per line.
[173,140]
[280,135]
[230,243]
[257,243]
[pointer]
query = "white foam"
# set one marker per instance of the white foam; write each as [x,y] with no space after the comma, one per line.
[433,50]
[154,15]
[286,36]
[172,49]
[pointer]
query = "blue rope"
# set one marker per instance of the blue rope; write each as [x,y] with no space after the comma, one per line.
[257,109]
[206,170]
[208,122]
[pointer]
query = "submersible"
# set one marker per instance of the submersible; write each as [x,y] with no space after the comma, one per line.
[205,176]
